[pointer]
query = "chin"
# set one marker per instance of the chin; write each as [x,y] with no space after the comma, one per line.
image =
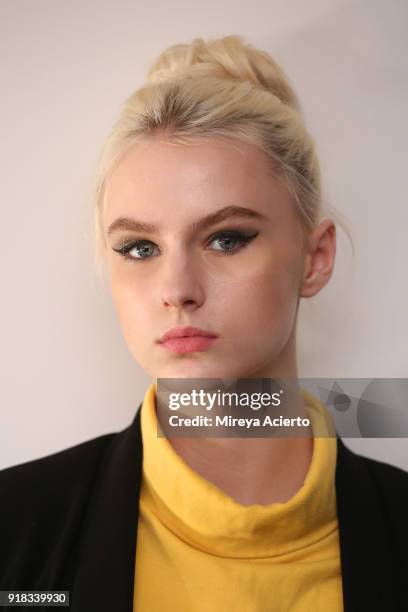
[186,368]
[194,369]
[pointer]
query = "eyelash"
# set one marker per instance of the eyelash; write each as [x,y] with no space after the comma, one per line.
[243,240]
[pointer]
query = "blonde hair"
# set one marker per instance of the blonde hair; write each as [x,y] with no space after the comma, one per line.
[221,88]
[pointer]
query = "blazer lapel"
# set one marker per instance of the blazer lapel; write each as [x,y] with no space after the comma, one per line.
[364,546]
[104,579]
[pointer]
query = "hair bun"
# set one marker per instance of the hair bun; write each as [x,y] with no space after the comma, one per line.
[227,57]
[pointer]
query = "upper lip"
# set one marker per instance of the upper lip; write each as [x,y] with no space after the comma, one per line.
[180,332]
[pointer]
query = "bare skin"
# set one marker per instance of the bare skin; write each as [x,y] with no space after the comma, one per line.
[249,298]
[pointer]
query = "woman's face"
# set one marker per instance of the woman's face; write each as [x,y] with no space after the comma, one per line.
[221,250]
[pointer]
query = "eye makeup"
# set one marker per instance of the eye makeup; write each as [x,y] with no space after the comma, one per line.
[141,246]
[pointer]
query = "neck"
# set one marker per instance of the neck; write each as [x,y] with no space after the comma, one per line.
[254,470]
[250,470]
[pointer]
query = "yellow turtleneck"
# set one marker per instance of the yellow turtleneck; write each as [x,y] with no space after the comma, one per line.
[198,550]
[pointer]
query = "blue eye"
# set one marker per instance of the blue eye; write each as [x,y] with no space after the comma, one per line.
[143,249]
[229,238]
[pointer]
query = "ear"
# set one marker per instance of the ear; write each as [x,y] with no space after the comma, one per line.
[320,252]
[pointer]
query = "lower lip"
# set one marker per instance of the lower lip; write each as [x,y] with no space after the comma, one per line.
[188,344]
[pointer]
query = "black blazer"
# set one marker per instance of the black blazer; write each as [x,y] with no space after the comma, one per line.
[68,521]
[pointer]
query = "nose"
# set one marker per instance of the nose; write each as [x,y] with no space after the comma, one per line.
[182,285]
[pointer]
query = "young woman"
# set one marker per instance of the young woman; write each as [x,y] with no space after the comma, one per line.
[209,219]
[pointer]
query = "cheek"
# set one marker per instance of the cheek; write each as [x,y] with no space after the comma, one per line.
[129,300]
[267,300]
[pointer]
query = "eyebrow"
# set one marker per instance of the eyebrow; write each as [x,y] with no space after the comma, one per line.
[228,212]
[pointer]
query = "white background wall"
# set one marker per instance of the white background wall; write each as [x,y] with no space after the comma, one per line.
[66,67]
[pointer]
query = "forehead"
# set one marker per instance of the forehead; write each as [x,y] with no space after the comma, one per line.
[159,178]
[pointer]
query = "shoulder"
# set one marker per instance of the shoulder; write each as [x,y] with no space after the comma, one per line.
[386,475]
[389,481]
[372,509]
[58,469]
[42,505]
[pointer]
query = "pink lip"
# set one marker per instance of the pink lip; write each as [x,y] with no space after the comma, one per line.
[187,339]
